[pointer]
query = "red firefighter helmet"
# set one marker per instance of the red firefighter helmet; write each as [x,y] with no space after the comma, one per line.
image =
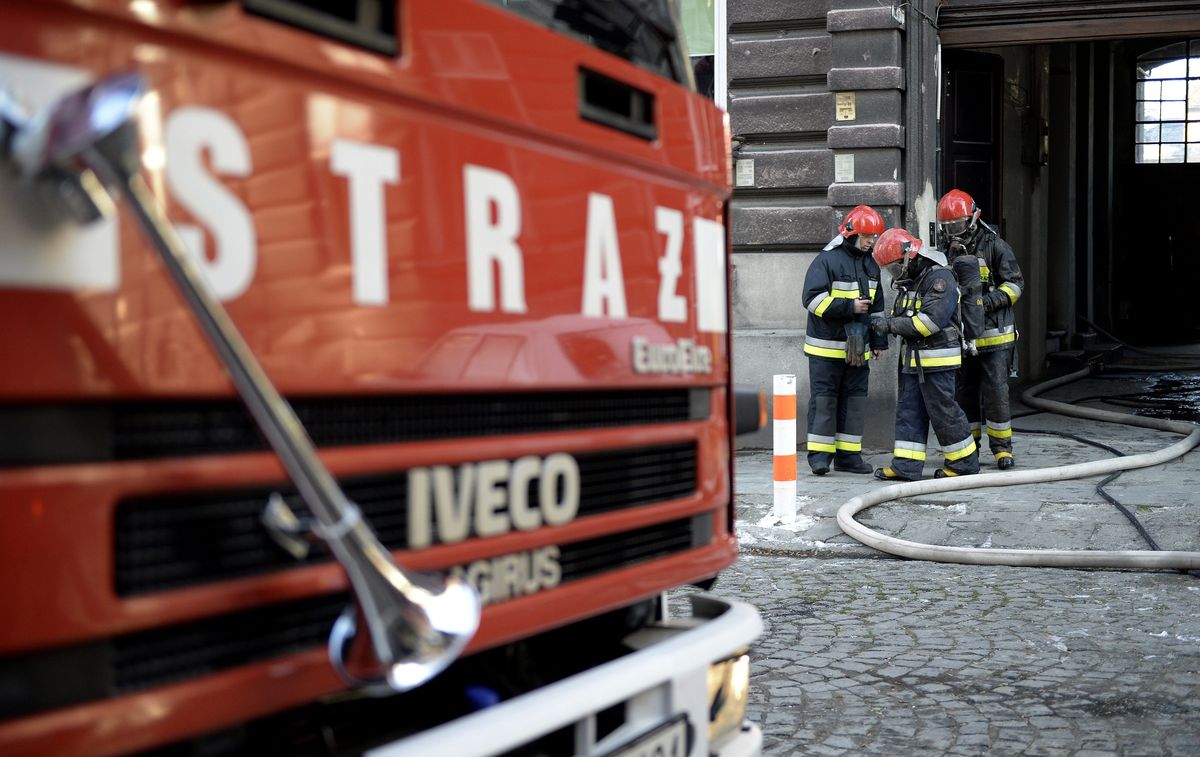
[957,212]
[862,220]
[895,245]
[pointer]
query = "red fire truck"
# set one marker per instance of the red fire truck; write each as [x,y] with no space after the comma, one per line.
[366,381]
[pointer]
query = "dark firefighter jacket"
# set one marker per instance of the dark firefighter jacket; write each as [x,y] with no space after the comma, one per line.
[965,266]
[925,314]
[1002,287]
[839,276]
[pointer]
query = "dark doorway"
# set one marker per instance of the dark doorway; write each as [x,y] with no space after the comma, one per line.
[971,136]
[1156,213]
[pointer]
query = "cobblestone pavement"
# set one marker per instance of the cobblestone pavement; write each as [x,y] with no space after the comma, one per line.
[892,657]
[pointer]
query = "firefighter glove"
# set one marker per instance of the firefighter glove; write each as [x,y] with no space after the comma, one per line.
[856,344]
[880,325]
[995,299]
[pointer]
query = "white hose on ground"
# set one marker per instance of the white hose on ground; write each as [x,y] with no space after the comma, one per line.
[1051,558]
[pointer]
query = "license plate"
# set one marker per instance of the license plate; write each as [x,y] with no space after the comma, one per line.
[668,740]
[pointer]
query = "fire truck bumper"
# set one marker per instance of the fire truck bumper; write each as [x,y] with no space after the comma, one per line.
[684,692]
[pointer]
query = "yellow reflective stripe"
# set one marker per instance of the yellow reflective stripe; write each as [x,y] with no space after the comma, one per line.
[960,454]
[825,303]
[988,341]
[849,446]
[845,294]
[999,433]
[935,362]
[976,433]
[984,272]
[819,447]
[909,454]
[872,293]
[948,473]
[1013,294]
[824,352]
[1003,454]
[920,326]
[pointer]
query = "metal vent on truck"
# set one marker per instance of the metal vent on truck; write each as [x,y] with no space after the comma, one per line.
[179,539]
[66,433]
[369,24]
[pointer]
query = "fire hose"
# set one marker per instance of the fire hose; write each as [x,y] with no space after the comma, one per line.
[1055,558]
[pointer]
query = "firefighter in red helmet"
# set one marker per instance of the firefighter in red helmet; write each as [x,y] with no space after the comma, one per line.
[925,316]
[983,378]
[841,289]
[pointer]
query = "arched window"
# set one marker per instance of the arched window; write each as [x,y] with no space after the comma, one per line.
[1168,104]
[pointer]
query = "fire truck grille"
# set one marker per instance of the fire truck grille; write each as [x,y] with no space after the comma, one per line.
[155,658]
[178,539]
[138,661]
[56,434]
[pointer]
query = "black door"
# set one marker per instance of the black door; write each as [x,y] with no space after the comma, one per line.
[971,138]
[1154,216]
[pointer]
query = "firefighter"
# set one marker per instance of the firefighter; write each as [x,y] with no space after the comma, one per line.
[841,290]
[925,315]
[983,378]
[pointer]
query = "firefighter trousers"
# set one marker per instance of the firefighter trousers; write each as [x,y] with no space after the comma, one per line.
[837,404]
[920,404]
[983,396]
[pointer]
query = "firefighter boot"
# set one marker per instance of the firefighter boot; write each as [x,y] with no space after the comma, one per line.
[946,473]
[890,474]
[1004,460]
[851,465]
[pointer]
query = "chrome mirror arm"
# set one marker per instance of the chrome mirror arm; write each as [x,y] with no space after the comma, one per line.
[416,624]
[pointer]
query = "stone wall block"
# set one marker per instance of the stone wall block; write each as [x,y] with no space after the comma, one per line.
[874,107]
[765,222]
[884,77]
[776,168]
[868,49]
[767,288]
[870,193]
[866,136]
[780,113]
[874,165]
[859,19]
[788,55]
[778,12]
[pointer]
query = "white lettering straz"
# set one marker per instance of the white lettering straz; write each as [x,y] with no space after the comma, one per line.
[368,168]
[189,135]
[672,307]
[201,148]
[493,216]
[712,294]
[603,278]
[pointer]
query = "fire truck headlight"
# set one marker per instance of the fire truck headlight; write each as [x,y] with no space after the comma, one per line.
[728,692]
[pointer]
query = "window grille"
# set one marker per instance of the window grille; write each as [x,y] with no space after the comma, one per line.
[1167,128]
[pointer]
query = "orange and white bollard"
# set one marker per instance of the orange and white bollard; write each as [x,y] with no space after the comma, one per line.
[784,411]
